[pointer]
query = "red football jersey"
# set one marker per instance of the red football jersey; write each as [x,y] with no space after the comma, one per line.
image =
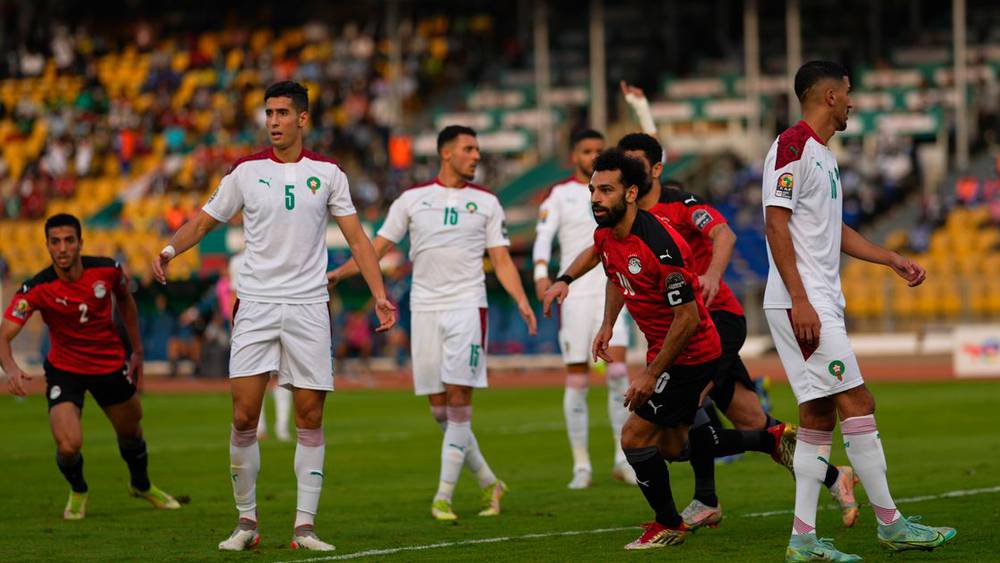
[650,268]
[690,216]
[78,314]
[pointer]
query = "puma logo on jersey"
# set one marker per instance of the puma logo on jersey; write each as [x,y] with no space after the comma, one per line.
[654,407]
[425,203]
[263,181]
[666,255]
[820,164]
[62,300]
[691,199]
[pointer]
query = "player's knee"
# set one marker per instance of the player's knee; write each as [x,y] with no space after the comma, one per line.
[576,381]
[309,419]
[633,436]
[440,413]
[68,446]
[244,420]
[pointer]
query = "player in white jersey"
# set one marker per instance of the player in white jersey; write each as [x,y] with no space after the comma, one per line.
[804,306]
[282,319]
[452,223]
[566,216]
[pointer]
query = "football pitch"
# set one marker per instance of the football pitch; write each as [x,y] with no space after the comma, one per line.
[383,451]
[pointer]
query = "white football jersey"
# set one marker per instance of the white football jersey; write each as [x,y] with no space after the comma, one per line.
[801,174]
[286,208]
[450,230]
[566,214]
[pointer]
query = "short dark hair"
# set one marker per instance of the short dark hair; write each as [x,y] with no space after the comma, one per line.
[289,89]
[645,143]
[451,132]
[814,71]
[63,220]
[632,171]
[583,135]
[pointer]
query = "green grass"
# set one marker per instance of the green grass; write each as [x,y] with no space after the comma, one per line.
[382,464]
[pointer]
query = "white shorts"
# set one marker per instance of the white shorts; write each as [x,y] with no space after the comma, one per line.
[830,369]
[292,340]
[448,347]
[579,320]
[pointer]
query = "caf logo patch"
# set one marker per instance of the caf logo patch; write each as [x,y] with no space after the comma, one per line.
[472,207]
[785,184]
[675,281]
[312,183]
[837,369]
[634,265]
[21,309]
[55,392]
[543,215]
[99,290]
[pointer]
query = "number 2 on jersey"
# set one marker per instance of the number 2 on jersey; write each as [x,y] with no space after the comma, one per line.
[289,197]
[83,313]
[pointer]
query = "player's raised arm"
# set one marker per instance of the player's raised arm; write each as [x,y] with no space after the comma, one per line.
[637,100]
[510,279]
[583,263]
[857,246]
[366,260]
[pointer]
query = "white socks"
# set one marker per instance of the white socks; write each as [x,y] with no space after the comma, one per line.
[577,425]
[474,459]
[864,449]
[309,454]
[617,413]
[454,446]
[282,411]
[812,452]
[244,464]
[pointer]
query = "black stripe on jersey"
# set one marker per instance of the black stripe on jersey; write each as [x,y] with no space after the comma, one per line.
[657,238]
[677,196]
[98,262]
[47,275]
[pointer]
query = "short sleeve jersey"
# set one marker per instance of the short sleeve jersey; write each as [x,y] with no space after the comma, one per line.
[694,219]
[650,268]
[566,215]
[450,230]
[801,174]
[286,208]
[79,315]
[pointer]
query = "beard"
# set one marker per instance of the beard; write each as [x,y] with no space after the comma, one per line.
[612,216]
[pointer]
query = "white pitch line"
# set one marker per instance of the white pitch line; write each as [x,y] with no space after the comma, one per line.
[501,539]
[905,500]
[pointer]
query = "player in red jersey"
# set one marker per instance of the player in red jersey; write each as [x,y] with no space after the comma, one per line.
[74,295]
[712,241]
[646,263]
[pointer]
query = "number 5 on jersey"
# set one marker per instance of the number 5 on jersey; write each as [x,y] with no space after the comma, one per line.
[289,197]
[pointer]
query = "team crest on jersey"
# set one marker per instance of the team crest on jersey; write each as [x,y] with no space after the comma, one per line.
[543,215]
[55,392]
[100,290]
[837,369]
[471,207]
[21,309]
[634,265]
[312,183]
[785,184]
[700,218]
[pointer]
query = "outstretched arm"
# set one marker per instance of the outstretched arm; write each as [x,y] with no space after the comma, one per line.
[857,246]
[186,237]
[364,257]
[510,279]
[583,263]
[636,99]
